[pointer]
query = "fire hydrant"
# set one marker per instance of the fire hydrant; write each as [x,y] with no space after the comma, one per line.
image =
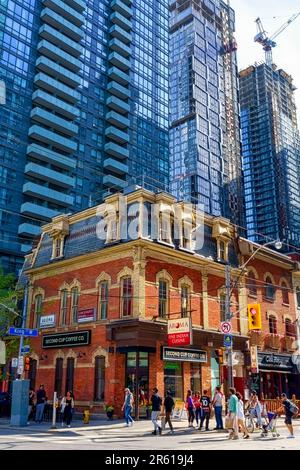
[86,416]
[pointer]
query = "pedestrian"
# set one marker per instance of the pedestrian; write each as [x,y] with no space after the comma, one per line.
[190,408]
[218,406]
[127,407]
[290,410]
[156,402]
[31,403]
[41,399]
[206,409]
[197,404]
[255,408]
[168,407]
[241,416]
[232,412]
[67,406]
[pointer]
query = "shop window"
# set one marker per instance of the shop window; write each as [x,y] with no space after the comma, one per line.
[126,300]
[103,300]
[185,301]
[173,379]
[251,284]
[222,307]
[38,302]
[99,378]
[163,298]
[195,377]
[58,376]
[32,373]
[63,306]
[285,293]
[269,289]
[74,304]
[70,375]
[273,324]
[289,328]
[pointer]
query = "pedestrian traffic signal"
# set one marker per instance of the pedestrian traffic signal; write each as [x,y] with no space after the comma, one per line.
[220,356]
[254,317]
[27,363]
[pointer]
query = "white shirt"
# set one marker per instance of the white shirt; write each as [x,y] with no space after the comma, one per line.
[240,412]
[218,399]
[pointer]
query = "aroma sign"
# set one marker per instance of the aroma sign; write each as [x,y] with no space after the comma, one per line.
[180,332]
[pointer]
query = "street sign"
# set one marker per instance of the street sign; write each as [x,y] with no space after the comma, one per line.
[227,341]
[14,362]
[226,327]
[22,331]
[25,349]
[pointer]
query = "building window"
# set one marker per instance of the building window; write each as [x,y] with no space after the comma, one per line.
[103,300]
[74,304]
[126,306]
[273,324]
[173,379]
[223,307]
[70,375]
[285,293]
[251,284]
[63,306]
[185,301]
[166,227]
[269,289]
[187,235]
[99,378]
[289,328]
[58,376]
[298,296]
[38,302]
[58,247]
[32,373]
[222,251]
[163,299]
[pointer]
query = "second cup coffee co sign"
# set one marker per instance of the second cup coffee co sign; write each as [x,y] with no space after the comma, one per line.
[180,332]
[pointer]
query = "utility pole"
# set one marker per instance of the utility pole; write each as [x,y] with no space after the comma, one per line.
[228,318]
[23,324]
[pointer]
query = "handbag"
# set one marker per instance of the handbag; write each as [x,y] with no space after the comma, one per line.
[228,422]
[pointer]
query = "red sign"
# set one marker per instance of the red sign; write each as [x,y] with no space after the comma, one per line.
[86,315]
[180,332]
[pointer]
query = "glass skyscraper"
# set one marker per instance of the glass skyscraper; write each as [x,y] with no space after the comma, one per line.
[86,108]
[205,150]
[271,155]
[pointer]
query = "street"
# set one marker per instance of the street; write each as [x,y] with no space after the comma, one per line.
[115,436]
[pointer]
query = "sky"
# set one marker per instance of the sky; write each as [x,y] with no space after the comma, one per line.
[273,13]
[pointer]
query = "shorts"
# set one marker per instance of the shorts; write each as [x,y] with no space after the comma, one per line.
[288,420]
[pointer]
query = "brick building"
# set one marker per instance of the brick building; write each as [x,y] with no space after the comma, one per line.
[103,282]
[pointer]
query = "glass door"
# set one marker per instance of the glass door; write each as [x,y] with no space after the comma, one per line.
[137,380]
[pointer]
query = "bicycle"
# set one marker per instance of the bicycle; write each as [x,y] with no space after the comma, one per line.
[251,421]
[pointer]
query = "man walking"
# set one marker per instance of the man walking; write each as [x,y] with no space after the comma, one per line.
[127,407]
[168,408]
[156,407]
[40,404]
[233,410]
[290,409]
[206,409]
[217,404]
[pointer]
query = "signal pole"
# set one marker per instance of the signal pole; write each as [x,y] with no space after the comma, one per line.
[228,318]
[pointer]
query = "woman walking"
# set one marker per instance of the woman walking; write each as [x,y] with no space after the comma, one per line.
[241,416]
[67,405]
[127,407]
[190,408]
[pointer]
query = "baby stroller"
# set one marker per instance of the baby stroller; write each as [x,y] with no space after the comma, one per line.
[270,427]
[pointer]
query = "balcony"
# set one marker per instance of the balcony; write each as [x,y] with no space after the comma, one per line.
[272,341]
[65,11]
[49,156]
[57,71]
[64,26]
[119,61]
[118,105]
[43,192]
[117,32]
[45,99]
[54,86]
[288,343]
[118,90]
[48,137]
[121,21]
[44,173]
[119,46]
[52,52]
[53,121]
[122,8]
[115,134]
[116,150]
[78,5]
[116,167]
[34,210]
[117,120]
[114,182]
[29,230]
[61,40]
[116,74]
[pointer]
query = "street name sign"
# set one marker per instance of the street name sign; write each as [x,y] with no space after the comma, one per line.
[22,332]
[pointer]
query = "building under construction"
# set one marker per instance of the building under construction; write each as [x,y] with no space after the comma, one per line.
[205,148]
[271,154]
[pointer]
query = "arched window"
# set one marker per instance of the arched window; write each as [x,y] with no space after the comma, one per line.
[251,284]
[289,327]
[269,289]
[70,375]
[103,300]
[163,295]
[38,302]
[32,372]
[285,293]
[298,296]
[74,304]
[63,306]
[99,378]
[273,324]
[58,376]
[126,296]
[185,301]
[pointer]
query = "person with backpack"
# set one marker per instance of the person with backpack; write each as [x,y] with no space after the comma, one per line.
[291,410]
[156,402]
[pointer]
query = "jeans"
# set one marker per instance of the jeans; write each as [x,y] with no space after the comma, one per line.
[198,415]
[67,418]
[218,415]
[154,416]
[256,412]
[39,412]
[205,416]
[168,419]
[127,414]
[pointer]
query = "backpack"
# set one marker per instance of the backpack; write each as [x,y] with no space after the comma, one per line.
[294,409]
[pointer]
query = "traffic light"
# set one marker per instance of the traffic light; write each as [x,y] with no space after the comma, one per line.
[220,356]
[27,363]
[254,317]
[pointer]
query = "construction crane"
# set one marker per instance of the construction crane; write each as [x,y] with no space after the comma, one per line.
[268,42]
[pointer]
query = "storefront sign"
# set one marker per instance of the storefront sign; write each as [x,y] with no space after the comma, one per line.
[254,359]
[61,340]
[180,332]
[190,355]
[47,321]
[86,315]
[271,361]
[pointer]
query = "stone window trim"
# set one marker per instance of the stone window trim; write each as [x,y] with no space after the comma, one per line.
[58,247]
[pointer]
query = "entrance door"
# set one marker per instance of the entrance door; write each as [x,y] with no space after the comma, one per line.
[137,380]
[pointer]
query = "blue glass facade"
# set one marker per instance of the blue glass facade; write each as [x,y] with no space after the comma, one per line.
[86,110]
[271,155]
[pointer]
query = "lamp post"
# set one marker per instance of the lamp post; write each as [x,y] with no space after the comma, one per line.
[229,289]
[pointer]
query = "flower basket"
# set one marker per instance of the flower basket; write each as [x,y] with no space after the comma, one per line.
[272,341]
[109,408]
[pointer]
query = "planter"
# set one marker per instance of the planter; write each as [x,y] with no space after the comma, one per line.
[110,414]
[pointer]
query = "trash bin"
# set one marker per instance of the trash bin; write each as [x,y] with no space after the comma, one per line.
[86,416]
